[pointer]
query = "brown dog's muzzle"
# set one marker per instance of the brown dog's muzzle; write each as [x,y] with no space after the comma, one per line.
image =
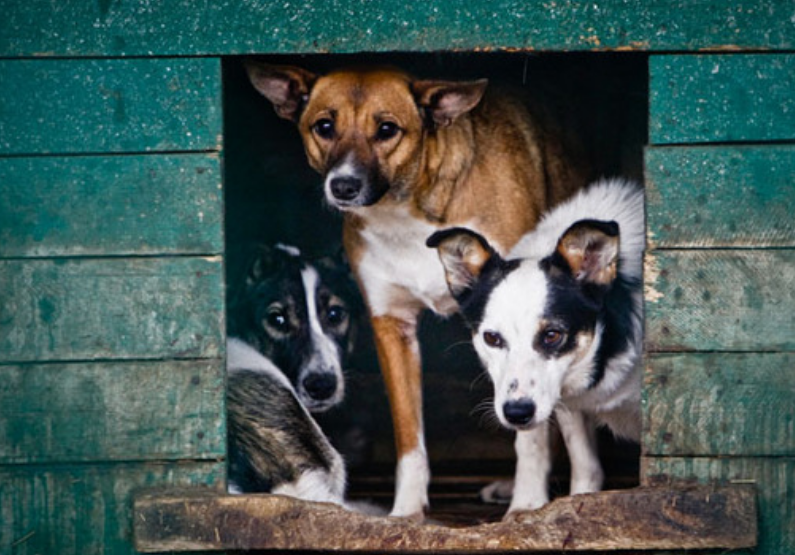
[351,184]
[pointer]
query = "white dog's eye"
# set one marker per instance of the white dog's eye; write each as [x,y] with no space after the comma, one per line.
[493,339]
[552,337]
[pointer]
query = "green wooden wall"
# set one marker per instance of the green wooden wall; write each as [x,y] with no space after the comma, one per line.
[206,27]
[111,235]
[719,395]
[111,294]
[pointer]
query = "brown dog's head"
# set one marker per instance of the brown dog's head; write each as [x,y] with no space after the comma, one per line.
[364,129]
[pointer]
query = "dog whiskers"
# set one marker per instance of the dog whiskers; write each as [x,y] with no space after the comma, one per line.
[487,418]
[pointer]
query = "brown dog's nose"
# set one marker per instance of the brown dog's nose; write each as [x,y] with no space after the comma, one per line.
[346,188]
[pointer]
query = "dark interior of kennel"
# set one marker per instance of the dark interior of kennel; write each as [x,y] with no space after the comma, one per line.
[271,195]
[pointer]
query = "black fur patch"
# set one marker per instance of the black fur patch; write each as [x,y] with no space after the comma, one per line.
[578,307]
[473,300]
[570,309]
[273,276]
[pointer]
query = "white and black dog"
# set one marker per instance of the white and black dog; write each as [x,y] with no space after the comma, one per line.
[558,324]
[291,324]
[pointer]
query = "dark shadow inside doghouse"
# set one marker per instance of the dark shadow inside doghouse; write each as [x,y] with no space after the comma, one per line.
[272,196]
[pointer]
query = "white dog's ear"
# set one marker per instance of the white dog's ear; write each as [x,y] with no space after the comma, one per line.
[590,247]
[444,101]
[287,87]
[463,254]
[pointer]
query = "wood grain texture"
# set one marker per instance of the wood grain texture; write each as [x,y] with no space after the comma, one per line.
[83,206]
[79,106]
[719,404]
[84,509]
[106,411]
[40,28]
[640,519]
[719,98]
[720,196]
[113,308]
[720,300]
[773,478]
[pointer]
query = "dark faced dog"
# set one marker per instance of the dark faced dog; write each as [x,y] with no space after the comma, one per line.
[290,325]
[297,315]
[558,325]
[403,157]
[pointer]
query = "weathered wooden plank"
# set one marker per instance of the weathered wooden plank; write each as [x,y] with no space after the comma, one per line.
[726,196]
[116,308]
[84,509]
[719,98]
[144,105]
[720,300]
[719,404]
[108,411]
[39,28]
[638,519]
[82,206]
[774,479]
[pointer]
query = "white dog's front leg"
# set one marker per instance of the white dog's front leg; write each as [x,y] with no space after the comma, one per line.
[579,434]
[532,469]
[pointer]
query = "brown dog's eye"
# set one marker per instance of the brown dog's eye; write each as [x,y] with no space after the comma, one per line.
[386,130]
[324,128]
[493,339]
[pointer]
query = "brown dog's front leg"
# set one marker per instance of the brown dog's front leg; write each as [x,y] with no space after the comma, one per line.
[399,356]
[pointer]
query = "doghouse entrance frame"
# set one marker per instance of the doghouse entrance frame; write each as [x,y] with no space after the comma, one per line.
[98,308]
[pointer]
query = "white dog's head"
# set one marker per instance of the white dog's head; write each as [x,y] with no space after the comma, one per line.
[537,323]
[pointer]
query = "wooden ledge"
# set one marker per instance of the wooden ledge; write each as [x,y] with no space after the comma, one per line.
[642,518]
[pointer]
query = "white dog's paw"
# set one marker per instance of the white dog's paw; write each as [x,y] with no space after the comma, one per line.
[499,492]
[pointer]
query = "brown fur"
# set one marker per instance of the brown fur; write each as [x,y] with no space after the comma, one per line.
[489,161]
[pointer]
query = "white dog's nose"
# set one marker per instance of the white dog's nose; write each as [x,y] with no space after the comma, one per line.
[519,413]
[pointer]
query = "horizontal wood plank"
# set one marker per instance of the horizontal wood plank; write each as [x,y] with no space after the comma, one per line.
[773,478]
[720,300]
[636,519]
[106,411]
[84,509]
[98,205]
[139,105]
[720,196]
[721,98]
[719,404]
[40,28]
[114,308]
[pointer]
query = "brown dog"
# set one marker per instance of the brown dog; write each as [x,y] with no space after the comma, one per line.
[403,158]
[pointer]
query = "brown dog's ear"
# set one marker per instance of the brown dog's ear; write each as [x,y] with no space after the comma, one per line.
[463,254]
[590,247]
[286,87]
[444,101]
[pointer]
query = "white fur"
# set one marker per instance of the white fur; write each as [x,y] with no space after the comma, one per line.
[533,462]
[242,356]
[413,476]
[399,274]
[317,485]
[561,385]
[345,168]
[325,354]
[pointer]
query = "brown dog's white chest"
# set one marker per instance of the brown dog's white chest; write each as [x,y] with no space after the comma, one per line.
[396,270]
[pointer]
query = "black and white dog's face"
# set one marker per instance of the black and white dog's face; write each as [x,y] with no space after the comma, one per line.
[535,321]
[300,315]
